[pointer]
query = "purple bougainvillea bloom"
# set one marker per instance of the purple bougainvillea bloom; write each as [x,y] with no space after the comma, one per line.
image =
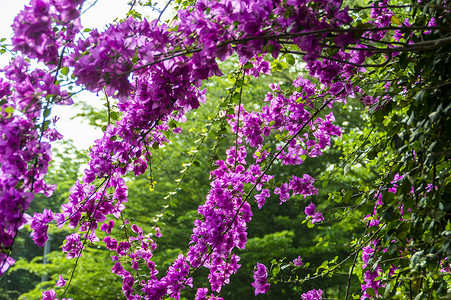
[158,233]
[298,261]
[317,217]
[303,186]
[260,198]
[61,282]
[283,191]
[313,295]
[260,284]
[367,253]
[314,215]
[201,294]
[107,226]
[49,295]
[6,262]
[310,210]
[73,246]
[122,248]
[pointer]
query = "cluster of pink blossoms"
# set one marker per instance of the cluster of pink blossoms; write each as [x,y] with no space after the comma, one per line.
[25,131]
[143,65]
[34,33]
[24,147]
[260,284]
[313,295]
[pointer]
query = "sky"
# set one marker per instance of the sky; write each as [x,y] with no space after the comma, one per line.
[98,16]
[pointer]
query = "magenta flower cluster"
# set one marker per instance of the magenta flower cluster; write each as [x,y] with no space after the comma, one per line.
[260,283]
[313,295]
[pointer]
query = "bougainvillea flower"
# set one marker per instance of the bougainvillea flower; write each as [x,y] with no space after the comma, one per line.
[314,215]
[313,295]
[298,261]
[260,284]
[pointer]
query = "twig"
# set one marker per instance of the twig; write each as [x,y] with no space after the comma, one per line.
[86,238]
[350,275]
[163,10]
[94,3]
[397,6]
[389,58]
[108,106]
[353,264]
[340,263]
[238,122]
[132,5]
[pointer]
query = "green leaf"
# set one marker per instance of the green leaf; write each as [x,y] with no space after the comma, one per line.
[236,96]
[9,110]
[169,213]
[347,196]
[346,169]
[64,70]
[45,125]
[248,65]
[46,113]
[276,270]
[397,141]
[290,59]
[270,48]
[114,116]
[371,292]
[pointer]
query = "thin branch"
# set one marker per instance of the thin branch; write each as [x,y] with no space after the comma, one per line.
[238,122]
[163,10]
[437,86]
[340,30]
[353,263]
[340,263]
[427,45]
[86,238]
[399,6]
[382,42]
[132,5]
[92,4]
[108,106]
[389,58]
[350,275]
